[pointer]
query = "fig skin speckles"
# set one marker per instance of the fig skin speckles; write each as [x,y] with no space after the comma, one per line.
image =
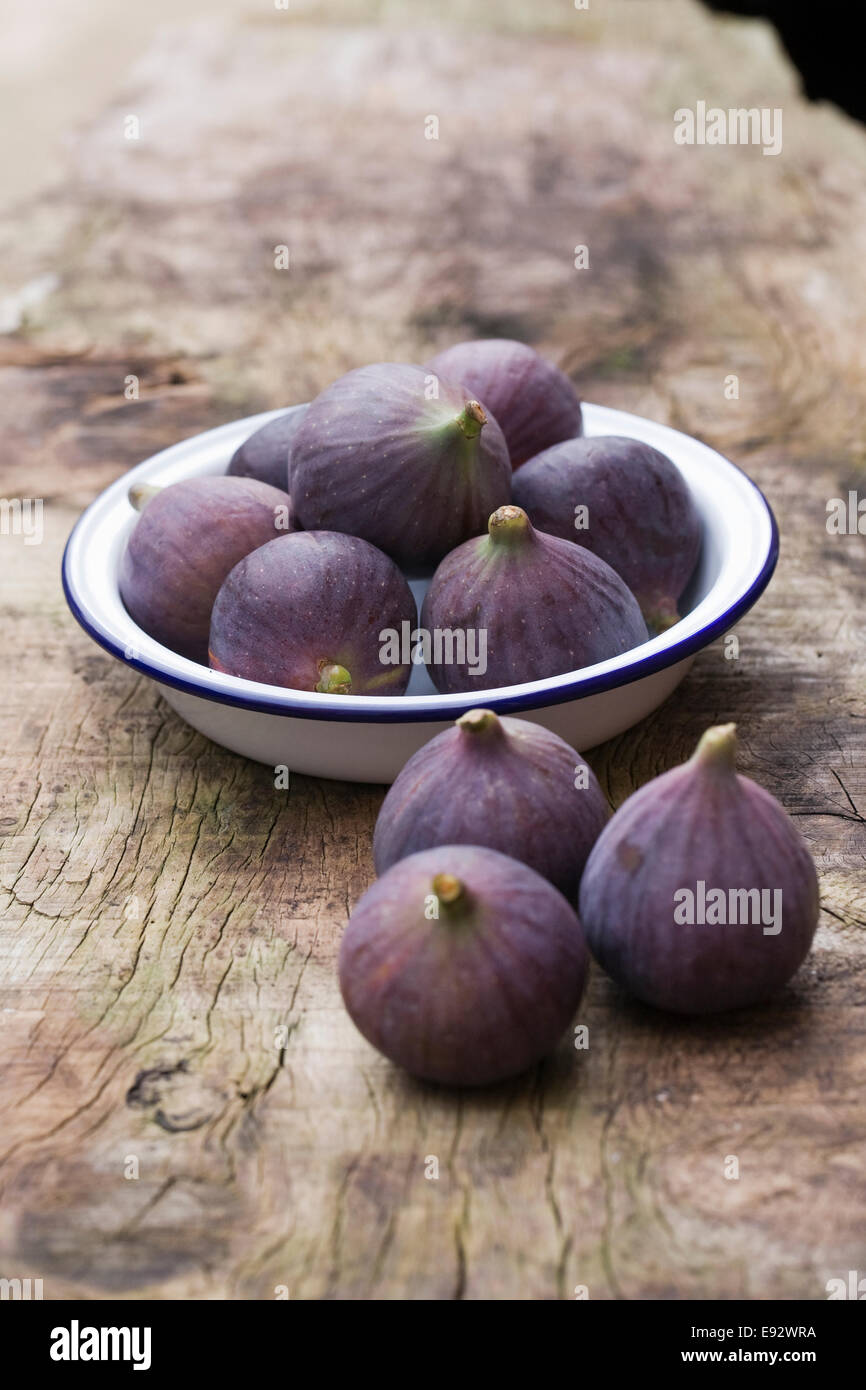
[546,606]
[187,539]
[462,966]
[408,462]
[701,823]
[306,612]
[640,516]
[534,402]
[505,783]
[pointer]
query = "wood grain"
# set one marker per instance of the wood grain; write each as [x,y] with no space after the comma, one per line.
[170,922]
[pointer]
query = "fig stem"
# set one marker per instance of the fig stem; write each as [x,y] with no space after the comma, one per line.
[718,747]
[482,723]
[448,889]
[509,524]
[661,615]
[333,679]
[472,419]
[140,494]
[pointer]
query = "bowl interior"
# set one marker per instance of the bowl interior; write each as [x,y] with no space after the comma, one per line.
[736,558]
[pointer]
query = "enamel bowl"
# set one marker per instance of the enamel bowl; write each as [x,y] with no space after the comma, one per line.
[365,738]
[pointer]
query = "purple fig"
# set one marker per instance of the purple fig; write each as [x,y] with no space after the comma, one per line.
[504,783]
[307,611]
[462,966]
[628,504]
[265,454]
[376,458]
[534,402]
[700,894]
[526,606]
[188,537]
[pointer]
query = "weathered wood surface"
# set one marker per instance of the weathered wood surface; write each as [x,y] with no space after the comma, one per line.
[166,912]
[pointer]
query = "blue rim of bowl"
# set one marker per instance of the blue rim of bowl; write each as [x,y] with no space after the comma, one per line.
[300,705]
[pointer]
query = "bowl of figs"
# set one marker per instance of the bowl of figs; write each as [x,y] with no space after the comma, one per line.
[329,586]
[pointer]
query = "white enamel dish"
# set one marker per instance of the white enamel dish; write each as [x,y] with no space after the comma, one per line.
[368,738]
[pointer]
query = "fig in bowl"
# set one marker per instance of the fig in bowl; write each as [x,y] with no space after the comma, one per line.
[187,539]
[462,966]
[535,606]
[266,453]
[700,894]
[627,503]
[307,611]
[408,462]
[504,783]
[534,402]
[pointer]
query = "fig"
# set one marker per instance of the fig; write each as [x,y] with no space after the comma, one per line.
[700,894]
[188,537]
[376,458]
[462,966]
[628,504]
[265,454]
[307,610]
[526,605]
[504,783]
[534,402]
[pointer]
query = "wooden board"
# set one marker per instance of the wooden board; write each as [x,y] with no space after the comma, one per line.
[187,1111]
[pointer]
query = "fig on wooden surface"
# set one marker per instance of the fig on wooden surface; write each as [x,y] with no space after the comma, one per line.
[700,894]
[307,611]
[505,783]
[533,401]
[527,606]
[265,454]
[462,966]
[628,504]
[188,537]
[378,457]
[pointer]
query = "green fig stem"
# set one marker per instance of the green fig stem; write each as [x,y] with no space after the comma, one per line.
[333,679]
[482,725]
[509,525]
[718,748]
[140,494]
[661,614]
[449,890]
[472,419]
